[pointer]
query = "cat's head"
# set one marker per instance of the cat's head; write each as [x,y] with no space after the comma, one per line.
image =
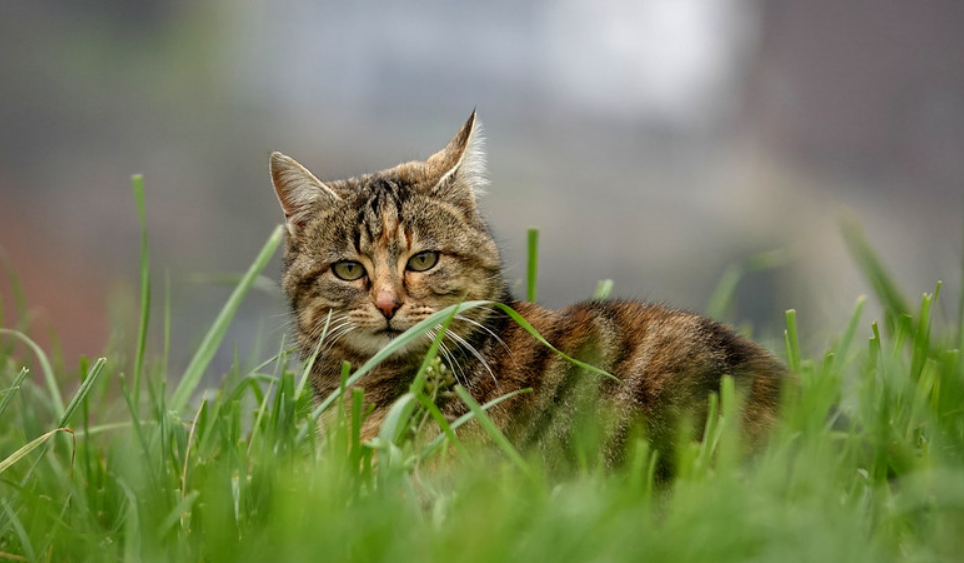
[380,252]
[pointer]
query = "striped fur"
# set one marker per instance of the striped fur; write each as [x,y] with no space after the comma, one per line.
[668,361]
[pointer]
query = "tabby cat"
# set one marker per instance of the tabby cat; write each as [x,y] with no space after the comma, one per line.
[371,256]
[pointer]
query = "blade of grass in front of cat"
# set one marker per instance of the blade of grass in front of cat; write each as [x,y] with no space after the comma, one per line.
[731,405]
[398,417]
[306,369]
[419,382]
[447,432]
[469,416]
[413,333]
[493,431]
[396,421]
[212,340]
[642,472]
[520,320]
[137,184]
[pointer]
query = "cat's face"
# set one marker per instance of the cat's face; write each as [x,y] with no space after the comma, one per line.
[372,256]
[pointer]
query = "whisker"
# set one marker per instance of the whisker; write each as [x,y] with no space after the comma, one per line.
[336,336]
[454,365]
[486,329]
[465,344]
[332,329]
[329,323]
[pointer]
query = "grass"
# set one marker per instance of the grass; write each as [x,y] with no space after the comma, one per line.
[867,463]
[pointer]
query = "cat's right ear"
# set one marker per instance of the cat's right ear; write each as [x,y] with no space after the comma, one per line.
[298,191]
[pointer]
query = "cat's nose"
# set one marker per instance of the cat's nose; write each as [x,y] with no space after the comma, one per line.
[387,303]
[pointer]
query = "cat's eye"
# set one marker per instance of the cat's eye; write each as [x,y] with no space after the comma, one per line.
[348,270]
[423,261]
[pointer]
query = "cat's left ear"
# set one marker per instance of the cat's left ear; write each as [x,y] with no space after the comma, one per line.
[458,170]
[299,192]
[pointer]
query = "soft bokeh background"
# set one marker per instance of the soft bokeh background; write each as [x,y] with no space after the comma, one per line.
[653,142]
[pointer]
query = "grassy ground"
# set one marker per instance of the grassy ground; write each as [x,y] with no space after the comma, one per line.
[866,465]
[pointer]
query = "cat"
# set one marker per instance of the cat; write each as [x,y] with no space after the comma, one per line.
[373,255]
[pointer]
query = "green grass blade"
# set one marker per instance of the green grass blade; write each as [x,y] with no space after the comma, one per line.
[166,350]
[535,334]
[11,391]
[306,369]
[532,271]
[721,301]
[960,310]
[922,336]
[874,350]
[398,417]
[423,326]
[175,515]
[214,336]
[448,431]
[419,382]
[52,387]
[843,347]
[493,431]
[603,289]
[131,523]
[92,376]
[396,421]
[895,305]
[24,451]
[416,331]
[458,422]
[19,530]
[137,183]
[792,341]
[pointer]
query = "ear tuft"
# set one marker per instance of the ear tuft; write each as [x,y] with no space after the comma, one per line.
[298,190]
[459,168]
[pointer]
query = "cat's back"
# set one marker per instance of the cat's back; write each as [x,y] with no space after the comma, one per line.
[665,359]
[630,334]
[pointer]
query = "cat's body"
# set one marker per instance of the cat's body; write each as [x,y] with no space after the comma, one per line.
[371,256]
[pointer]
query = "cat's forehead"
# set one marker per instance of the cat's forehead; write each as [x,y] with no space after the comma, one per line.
[381,209]
[383,187]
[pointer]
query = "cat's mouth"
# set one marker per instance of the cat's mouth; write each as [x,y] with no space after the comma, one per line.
[388,331]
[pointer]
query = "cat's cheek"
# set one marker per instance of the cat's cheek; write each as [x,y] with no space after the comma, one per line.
[342,292]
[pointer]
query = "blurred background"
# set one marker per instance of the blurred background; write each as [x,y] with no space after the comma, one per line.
[654,142]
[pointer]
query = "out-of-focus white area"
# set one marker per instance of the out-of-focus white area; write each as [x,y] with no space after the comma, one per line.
[654,142]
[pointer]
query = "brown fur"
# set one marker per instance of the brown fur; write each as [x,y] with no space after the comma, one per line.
[668,361]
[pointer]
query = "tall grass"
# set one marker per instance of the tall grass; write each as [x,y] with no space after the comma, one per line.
[867,463]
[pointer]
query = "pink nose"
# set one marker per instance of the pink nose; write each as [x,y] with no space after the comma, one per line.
[387,303]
